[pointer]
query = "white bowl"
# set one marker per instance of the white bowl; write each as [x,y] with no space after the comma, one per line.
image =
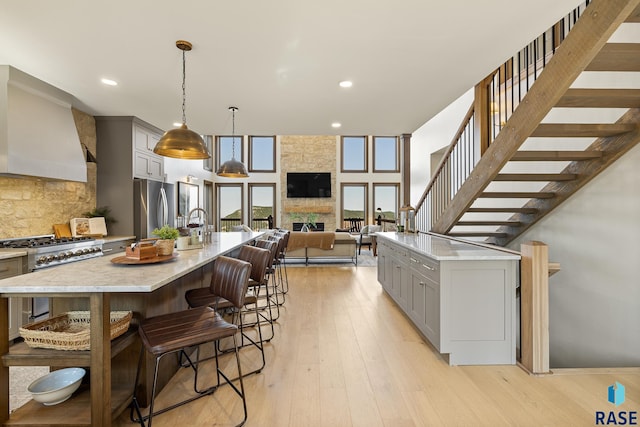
[57,386]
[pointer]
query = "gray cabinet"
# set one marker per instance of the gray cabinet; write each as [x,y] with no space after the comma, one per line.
[147,164]
[424,307]
[464,305]
[8,268]
[124,151]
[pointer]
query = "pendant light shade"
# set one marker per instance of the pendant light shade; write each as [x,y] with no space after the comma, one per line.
[182,143]
[233,168]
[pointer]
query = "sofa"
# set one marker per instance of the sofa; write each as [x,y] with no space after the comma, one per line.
[322,245]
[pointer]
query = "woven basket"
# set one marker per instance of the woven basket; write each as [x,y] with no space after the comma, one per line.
[70,331]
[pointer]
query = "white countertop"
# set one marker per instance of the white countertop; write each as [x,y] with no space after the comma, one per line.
[101,275]
[443,249]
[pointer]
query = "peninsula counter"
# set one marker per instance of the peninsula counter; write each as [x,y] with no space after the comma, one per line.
[460,296]
[100,286]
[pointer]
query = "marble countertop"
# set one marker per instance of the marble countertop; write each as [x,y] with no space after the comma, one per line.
[101,275]
[443,249]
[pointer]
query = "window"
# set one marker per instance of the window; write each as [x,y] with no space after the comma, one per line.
[262,202]
[225,149]
[207,164]
[354,154]
[385,154]
[262,154]
[229,206]
[354,203]
[385,197]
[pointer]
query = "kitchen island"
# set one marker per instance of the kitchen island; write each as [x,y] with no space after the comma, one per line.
[460,296]
[100,286]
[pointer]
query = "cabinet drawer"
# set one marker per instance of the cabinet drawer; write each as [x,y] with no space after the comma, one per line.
[426,266]
[10,267]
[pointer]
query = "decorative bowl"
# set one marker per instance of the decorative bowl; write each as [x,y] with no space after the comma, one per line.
[57,386]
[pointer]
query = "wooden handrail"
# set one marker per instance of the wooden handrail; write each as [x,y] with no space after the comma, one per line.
[512,80]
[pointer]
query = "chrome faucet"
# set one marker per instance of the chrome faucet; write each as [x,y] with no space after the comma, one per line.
[206,234]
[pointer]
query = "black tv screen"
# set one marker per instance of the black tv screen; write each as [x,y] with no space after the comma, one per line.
[308,184]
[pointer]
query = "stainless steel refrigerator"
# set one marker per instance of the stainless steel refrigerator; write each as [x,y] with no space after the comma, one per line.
[153,206]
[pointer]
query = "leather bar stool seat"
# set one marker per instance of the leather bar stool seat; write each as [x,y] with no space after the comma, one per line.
[174,332]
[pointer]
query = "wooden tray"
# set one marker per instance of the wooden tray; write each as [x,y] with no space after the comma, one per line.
[134,261]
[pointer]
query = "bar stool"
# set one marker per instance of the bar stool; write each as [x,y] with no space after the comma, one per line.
[175,332]
[282,255]
[272,286]
[259,260]
[277,270]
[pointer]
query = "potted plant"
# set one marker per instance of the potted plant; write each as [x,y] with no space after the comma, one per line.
[167,237]
[308,223]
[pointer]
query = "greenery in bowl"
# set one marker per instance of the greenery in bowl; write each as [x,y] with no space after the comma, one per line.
[166,232]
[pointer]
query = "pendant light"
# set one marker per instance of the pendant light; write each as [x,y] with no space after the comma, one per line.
[233,168]
[182,143]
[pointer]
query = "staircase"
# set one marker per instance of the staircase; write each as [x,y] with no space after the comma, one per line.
[516,158]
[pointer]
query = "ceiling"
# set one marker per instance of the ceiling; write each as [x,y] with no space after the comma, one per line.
[278,61]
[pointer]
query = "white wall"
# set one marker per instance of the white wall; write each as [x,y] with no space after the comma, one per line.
[594,300]
[432,136]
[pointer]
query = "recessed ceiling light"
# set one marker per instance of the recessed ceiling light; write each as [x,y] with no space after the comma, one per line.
[346,83]
[336,125]
[109,82]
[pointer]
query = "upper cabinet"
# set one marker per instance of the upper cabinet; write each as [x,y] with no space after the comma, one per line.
[147,164]
[125,146]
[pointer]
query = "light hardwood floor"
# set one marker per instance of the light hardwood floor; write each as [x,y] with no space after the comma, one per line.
[344,355]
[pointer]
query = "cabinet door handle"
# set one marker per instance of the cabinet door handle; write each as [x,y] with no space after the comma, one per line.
[397,266]
[414,260]
[428,267]
[422,283]
[106,250]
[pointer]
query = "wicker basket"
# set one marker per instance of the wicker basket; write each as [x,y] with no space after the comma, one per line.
[70,331]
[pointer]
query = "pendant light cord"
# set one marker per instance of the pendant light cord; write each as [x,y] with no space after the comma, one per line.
[184,96]
[233,133]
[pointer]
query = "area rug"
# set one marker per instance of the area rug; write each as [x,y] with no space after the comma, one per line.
[365,259]
[19,379]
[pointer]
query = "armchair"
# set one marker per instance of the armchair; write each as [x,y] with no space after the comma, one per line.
[365,236]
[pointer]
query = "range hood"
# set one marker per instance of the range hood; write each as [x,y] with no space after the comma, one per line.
[38,136]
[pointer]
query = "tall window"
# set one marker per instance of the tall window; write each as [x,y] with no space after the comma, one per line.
[354,154]
[207,164]
[262,154]
[262,202]
[229,206]
[224,149]
[354,201]
[385,197]
[386,154]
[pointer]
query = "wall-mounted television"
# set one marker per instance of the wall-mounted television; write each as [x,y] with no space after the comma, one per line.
[308,184]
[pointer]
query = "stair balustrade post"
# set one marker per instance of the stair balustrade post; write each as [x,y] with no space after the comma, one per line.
[534,307]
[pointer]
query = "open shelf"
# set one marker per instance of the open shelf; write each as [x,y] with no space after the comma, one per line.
[76,411]
[21,354]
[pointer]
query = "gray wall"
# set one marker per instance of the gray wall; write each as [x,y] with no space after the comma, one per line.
[594,316]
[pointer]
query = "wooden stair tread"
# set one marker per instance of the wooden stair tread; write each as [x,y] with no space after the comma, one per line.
[516,195]
[544,156]
[503,210]
[535,177]
[616,57]
[577,130]
[481,223]
[600,98]
[635,15]
[477,234]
